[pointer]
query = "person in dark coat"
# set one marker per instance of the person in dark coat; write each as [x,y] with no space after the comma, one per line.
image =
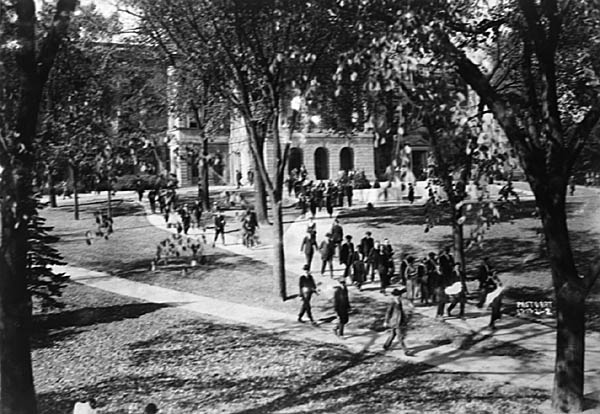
[307,287]
[403,266]
[341,305]
[327,250]
[423,281]
[186,219]
[483,272]
[411,193]
[373,261]
[397,320]
[366,245]
[337,233]
[433,276]
[383,269]
[358,270]
[329,203]
[446,262]
[349,194]
[341,193]
[219,227]
[197,213]
[347,255]
[311,227]
[313,204]
[152,200]
[388,253]
[139,188]
[308,247]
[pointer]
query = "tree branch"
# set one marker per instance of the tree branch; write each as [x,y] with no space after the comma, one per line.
[579,135]
[51,43]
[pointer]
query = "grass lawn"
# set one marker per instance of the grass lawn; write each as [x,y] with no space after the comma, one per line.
[127,353]
[130,249]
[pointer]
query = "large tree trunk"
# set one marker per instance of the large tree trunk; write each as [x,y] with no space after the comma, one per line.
[17,391]
[278,251]
[74,180]
[204,174]
[109,201]
[260,187]
[567,395]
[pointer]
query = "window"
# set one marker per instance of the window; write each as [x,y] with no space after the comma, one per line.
[322,163]
[347,159]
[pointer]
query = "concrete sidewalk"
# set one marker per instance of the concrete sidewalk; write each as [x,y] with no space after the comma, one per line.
[535,370]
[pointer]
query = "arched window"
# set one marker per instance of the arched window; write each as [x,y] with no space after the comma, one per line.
[322,163]
[296,159]
[347,159]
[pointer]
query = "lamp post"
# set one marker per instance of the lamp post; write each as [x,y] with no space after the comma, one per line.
[296,105]
[408,152]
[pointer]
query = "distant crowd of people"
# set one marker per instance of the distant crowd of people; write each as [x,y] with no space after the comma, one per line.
[314,196]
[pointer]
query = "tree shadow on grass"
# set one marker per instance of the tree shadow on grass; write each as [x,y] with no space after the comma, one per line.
[380,217]
[119,208]
[52,328]
[247,387]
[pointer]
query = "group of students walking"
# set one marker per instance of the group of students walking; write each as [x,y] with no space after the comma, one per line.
[436,279]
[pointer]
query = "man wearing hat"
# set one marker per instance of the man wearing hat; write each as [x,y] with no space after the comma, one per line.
[397,320]
[366,245]
[341,304]
[346,255]
[308,247]
[337,233]
[327,250]
[307,288]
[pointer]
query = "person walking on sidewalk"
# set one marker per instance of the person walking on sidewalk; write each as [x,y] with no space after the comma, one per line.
[483,273]
[494,298]
[329,201]
[337,233]
[358,270]
[460,296]
[307,287]
[311,227]
[373,260]
[347,255]
[327,250]
[308,247]
[219,227]
[341,305]
[383,269]
[349,193]
[410,275]
[388,252]
[366,245]
[152,200]
[411,193]
[397,320]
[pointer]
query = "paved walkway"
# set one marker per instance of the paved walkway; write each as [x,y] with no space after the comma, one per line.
[518,370]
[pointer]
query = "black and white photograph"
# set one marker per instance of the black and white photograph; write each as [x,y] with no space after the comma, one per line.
[299,206]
